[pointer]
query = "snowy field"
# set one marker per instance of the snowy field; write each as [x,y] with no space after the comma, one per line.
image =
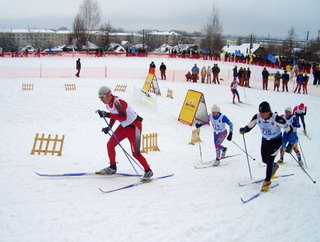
[193,205]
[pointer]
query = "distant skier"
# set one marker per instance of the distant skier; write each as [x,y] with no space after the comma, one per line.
[270,125]
[290,137]
[78,67]
[130,127]
[234,85]
[300,111]
[218,121]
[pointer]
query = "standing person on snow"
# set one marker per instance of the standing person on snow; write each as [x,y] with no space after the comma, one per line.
[300,111]
[270,125]
[130,127]
[218,121]
[78,67]
[234,90]
[299,83]
[265,77]
[277,78]
[235,72]
[203,74]
[209,75]
[195,73]
[285,79]
[163,69]
[291,136]
[215,71]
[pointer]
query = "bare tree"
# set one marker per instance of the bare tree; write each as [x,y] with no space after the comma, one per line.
[213,30]
[7,42]
[78,36]
[90,15]
[290,43]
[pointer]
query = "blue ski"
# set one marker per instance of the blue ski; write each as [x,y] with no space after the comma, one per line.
[82,174]
[135,184]
[261,180]
[258,194]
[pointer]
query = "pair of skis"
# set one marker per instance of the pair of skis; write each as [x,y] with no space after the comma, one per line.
[103,175]
[213,163]
[261,192]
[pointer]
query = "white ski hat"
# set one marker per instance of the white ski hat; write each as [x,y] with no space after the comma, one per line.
[288,109]
[215,108]
[104,91]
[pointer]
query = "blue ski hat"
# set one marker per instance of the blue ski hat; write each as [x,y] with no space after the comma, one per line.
[264,107]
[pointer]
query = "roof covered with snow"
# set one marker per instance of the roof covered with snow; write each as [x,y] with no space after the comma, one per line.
[244,48]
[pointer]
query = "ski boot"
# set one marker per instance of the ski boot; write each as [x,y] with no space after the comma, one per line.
[217,162]
[224,152]
[265,186]
[280,161]
[108,170]
[147,176]
[300,162]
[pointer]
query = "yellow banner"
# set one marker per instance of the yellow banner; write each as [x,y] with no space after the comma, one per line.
[190,107]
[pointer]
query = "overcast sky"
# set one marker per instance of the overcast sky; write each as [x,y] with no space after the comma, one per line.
[239,17]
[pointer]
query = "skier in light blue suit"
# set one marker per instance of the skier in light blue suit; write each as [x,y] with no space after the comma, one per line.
[218,121]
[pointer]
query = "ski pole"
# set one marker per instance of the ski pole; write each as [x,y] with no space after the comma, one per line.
[243,150]
[245,146]
[200,152]
[314,181]
[125,152]
[245,96]
[302,154]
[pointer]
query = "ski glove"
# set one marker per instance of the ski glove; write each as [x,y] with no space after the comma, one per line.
[103,114]
[198,125]
[105,130]
[243,130]
[229,136]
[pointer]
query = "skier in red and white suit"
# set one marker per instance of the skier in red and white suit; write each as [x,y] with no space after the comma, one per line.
[130,127]
[300,111]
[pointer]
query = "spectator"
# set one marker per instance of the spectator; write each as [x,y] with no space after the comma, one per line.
[285,79]
[163,69]
[235,72]
[152,68]
[188,76]
[195,73]
[240,76]
[299,82]
[305,83]
[203,74]
[78,67]
[209,75]
[265,76]
[277,78]
[215,71]
[248,77]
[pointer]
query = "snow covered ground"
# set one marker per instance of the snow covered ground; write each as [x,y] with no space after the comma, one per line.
[193,205]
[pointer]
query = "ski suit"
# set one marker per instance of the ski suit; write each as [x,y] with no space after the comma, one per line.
[291,137]
[219,130]
[130,127]
[271,138]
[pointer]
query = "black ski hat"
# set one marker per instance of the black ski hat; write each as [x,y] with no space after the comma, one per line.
[264,107]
